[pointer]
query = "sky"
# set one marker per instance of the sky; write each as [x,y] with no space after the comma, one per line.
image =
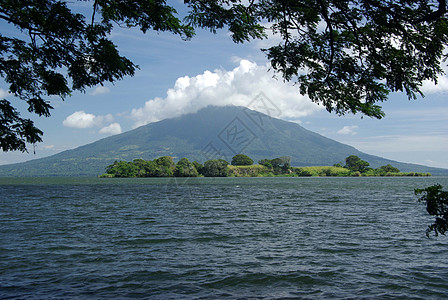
[177,77]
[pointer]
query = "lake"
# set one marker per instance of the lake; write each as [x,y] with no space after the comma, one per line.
[225,238]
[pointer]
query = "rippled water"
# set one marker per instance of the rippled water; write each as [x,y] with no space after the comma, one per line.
[212,238]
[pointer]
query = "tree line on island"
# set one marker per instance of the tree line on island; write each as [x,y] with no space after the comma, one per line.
[243,166]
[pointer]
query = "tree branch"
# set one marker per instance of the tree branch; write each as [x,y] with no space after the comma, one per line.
[95,6]
[330,30]
[285,27]
[436,14]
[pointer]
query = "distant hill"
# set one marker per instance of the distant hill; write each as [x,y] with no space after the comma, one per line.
[213,132]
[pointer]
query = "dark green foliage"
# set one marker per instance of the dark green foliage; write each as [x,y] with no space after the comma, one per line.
[160,167]
[216,168]
[356,52]
[389,169]
[355,164]
[279,162]
[249,171]
[143,167]
[303,172]
[279,165]
[165,166]
[184,168]
[338,165]
[241,160]
[266,162]
[359,167]
[285,163]
[60,51]
[147,168]
[322,171]
[276,163]
[123,169]
[198,166]
[15,131]
[347,55]
[242,20]
[436,202]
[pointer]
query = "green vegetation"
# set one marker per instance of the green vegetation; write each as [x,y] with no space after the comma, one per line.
[165,167]
[436,202]
[359,167]
[355,164]
[250,171]
[185,168]
[242,160]
[215,168]
[161,167]
[322,171]
[280,165]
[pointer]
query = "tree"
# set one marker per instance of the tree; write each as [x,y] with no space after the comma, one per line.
[286,162]
[146,168]
[184,168]
[277,163]
[436,202]
[338,165]
[165,166]
[122,169]
[242,160]
[389,169]
[265,162]
[281,164]
[355,164]
[59,51]
[216,168]
[345,55]
[198,166]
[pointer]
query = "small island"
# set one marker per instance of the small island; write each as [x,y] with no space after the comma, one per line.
[243,166]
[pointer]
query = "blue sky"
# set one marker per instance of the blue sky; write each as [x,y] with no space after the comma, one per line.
[177,77]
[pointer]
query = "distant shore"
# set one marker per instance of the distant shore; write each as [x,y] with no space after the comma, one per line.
[278,167]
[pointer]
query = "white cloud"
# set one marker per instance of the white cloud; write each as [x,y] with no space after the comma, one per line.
[100,90]
[81,119]
[240,86]
[348,130]
[429,87]
[113,128]
[3,93]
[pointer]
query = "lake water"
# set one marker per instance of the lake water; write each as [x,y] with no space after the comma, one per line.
[228,238]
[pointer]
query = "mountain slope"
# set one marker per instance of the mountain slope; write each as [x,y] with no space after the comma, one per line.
[213,132]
